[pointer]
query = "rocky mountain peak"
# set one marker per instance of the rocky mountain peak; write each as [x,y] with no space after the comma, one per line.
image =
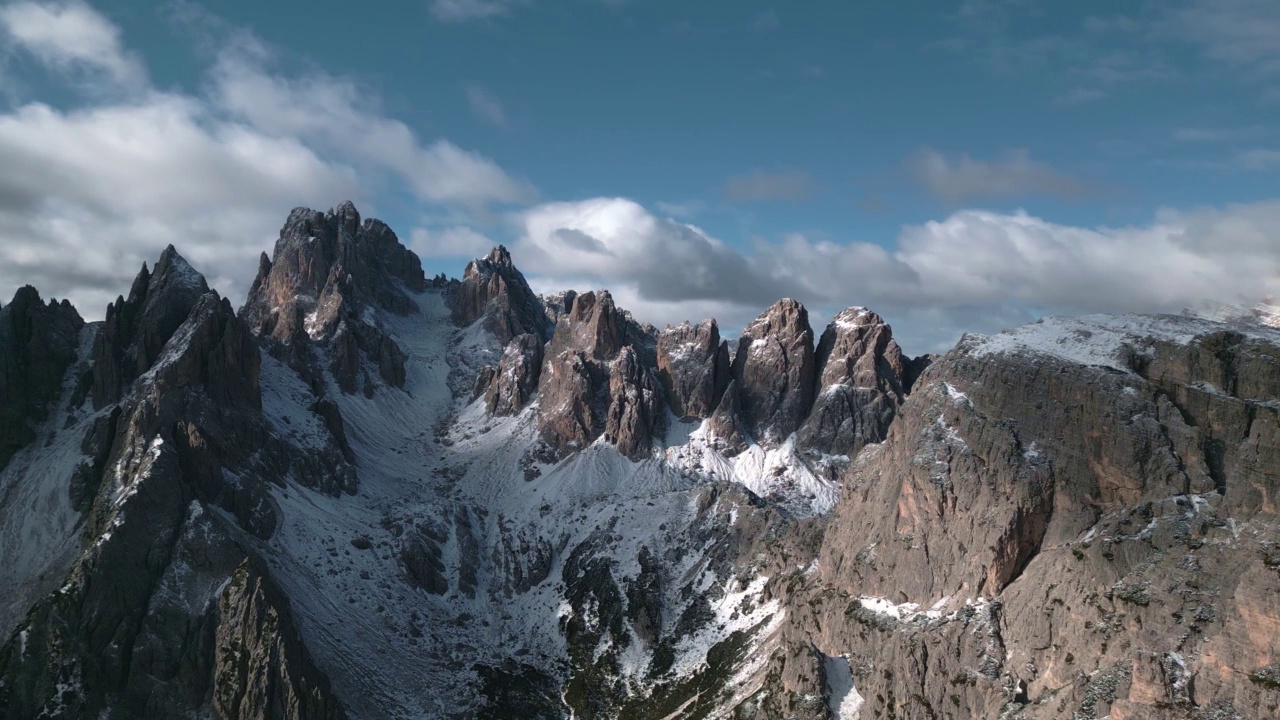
[327,266]
[693,363]
[494,289]
[774,371]
[862,379]
[327,272]
[38,343]
[137,328]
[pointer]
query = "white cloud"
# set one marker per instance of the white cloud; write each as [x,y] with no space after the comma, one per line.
[454,11]
[90,193]
[973,271]
[332,113]
[962,179]
[72,37]
[485,106]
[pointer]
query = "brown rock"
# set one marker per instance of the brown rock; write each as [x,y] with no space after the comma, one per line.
[572,401]
[774,370]
[634,406]
[492,288]
[861,383]
[693,364]
[515,381]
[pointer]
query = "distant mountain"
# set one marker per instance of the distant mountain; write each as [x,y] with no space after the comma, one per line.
[370,494]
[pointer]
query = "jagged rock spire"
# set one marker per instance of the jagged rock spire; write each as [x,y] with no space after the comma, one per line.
[492,288]
[774,371]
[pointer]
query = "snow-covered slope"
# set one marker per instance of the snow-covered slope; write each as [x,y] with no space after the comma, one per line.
[501,527]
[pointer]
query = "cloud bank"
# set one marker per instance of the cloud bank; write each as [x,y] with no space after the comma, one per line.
[974,270]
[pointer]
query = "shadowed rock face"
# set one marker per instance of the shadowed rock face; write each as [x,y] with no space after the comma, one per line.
[693,364]
[137,328]
[774,371]
[861,382]
[492,288]
[38,343]
[132,625]
[261,670]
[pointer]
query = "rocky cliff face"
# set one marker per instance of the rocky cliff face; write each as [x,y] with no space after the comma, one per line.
[173,431]
[38,343]
[599,380]
[1067,521]
[1075,519]
[327,272]
[493,289]
[774,371]
[693,363]
[862,380]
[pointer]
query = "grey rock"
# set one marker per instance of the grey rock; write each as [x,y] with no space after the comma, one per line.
[693,364]
[262,670]
[492,288]
[774,371]
[515,381]
[137,328]
[861,383]
[38,345]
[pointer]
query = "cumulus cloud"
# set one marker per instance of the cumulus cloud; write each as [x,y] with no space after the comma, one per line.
[792,186]
[72,37]
[91,192]
[972,271]
[962,179]
[334,114]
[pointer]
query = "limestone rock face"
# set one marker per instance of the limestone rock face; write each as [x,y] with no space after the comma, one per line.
[492,288]
[137,328]
[262,671]
[515,381]
[130,625]
[1051,517]
[727,426]
[598,377]
[861,383]
[592,324]
[38,344]
[634,406]
[774,370]
[693,364]
[572,401]
[328,273]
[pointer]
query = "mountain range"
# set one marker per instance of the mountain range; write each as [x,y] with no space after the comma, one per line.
[371,494]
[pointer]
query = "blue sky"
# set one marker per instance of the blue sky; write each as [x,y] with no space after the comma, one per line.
[956,165]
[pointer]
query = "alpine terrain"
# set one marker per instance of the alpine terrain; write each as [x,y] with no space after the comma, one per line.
[370,494]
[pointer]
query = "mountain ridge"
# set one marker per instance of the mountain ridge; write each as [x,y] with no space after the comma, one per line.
[445,498]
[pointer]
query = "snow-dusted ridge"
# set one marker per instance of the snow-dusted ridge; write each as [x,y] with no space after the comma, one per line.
[1101,339]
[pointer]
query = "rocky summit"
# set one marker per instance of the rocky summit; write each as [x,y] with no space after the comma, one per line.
[366,494]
